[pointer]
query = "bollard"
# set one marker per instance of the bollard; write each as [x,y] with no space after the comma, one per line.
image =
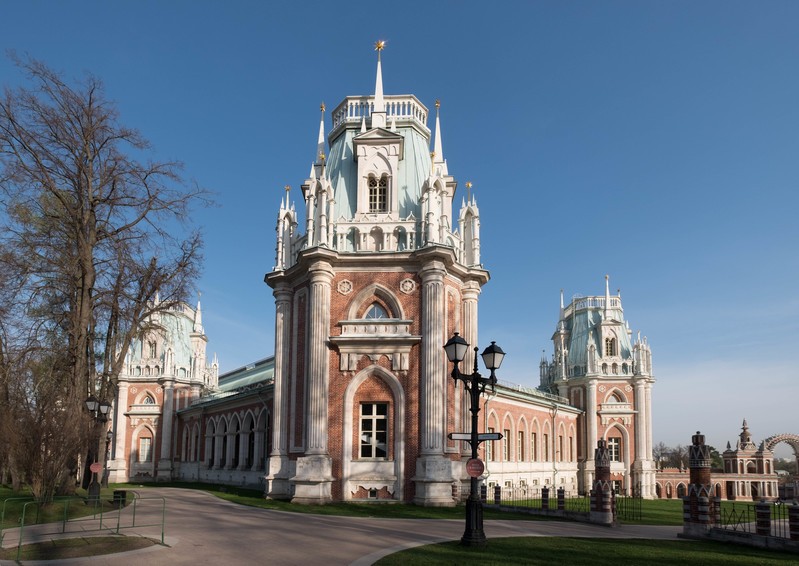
[483,493]
[561,499]
[545,498]
[497,495]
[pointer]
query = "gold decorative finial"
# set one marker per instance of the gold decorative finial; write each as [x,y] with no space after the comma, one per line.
[438,103]
[322,107]
[288,188]
[321,156]
[432,155]
[468,191]
[380,45]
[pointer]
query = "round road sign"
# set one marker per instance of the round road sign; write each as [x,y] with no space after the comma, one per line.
[96,468]
[475,467]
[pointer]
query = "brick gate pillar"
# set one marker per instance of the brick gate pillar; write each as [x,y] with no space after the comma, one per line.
[602,493]
[699,506]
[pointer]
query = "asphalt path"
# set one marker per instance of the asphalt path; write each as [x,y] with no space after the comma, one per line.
[203,529]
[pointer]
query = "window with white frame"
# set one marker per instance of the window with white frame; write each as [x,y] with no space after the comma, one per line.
[533,446]
[546,447]
[520,447]
[376,312]
[506,445]
[489,446]
[614,449]
[610,346]
[145,449]
[378,194]
[374,431]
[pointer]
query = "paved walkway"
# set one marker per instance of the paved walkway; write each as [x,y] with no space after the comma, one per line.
[203,529]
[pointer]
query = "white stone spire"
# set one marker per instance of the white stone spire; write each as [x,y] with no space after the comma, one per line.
[198,317]
[320,142]
[379,111]
[438,150]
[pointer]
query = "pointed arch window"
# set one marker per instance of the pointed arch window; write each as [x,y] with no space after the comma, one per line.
[610,346]
[376,312]
[614,449]
[148,400]
[378,194]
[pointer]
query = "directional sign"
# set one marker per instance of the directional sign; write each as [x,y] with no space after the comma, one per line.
[459,436]
[489,436]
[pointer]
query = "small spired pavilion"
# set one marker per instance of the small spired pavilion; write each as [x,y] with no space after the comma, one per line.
[749,469]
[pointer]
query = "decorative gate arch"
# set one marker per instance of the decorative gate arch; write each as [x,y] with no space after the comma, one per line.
[791,439]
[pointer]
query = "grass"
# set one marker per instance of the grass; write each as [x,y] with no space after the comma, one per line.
[590,552]
[61,549]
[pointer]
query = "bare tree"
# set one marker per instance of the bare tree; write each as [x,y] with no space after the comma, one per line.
[92,231]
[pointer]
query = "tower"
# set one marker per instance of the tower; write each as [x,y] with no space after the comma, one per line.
[165,370]
[365,299]
[598,367]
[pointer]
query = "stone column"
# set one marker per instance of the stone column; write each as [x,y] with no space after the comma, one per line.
[167,416]
[590,432]
[118,467]
[278,469]
[468,329]
[434,474]
[314,475]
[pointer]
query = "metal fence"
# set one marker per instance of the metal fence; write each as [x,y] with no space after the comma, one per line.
[35,521]
[533,498]
[629,508]
[772,521]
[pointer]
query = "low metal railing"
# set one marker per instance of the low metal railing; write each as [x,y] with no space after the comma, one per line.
[114,520]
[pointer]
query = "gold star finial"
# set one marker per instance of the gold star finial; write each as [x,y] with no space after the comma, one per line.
[438,103]
[380,45]
[468,191]
[287,187]
[322,107]
[321,156]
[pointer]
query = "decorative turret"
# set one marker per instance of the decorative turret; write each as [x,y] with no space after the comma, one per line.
[379,189]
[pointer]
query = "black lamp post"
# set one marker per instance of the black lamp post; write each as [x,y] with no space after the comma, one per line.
[475,384]
[99,412]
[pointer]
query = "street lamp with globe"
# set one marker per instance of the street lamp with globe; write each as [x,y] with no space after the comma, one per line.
[475,385]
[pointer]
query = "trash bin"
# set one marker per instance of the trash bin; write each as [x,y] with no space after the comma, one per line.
[120,498]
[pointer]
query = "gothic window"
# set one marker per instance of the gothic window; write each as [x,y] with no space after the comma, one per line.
[546,447]
[520,447]
[378,194]
[489,447]
[533,446]
[610,347]
[145,449]
[614,449]
[376,312]
[151,346]
[374,430]
[506,445]
[148,400]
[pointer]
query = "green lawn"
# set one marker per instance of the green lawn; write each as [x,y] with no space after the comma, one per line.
[590,552]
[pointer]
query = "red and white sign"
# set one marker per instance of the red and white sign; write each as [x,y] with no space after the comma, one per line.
[96,468]
[475,467]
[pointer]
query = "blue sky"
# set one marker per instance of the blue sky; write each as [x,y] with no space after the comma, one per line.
[656,142]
